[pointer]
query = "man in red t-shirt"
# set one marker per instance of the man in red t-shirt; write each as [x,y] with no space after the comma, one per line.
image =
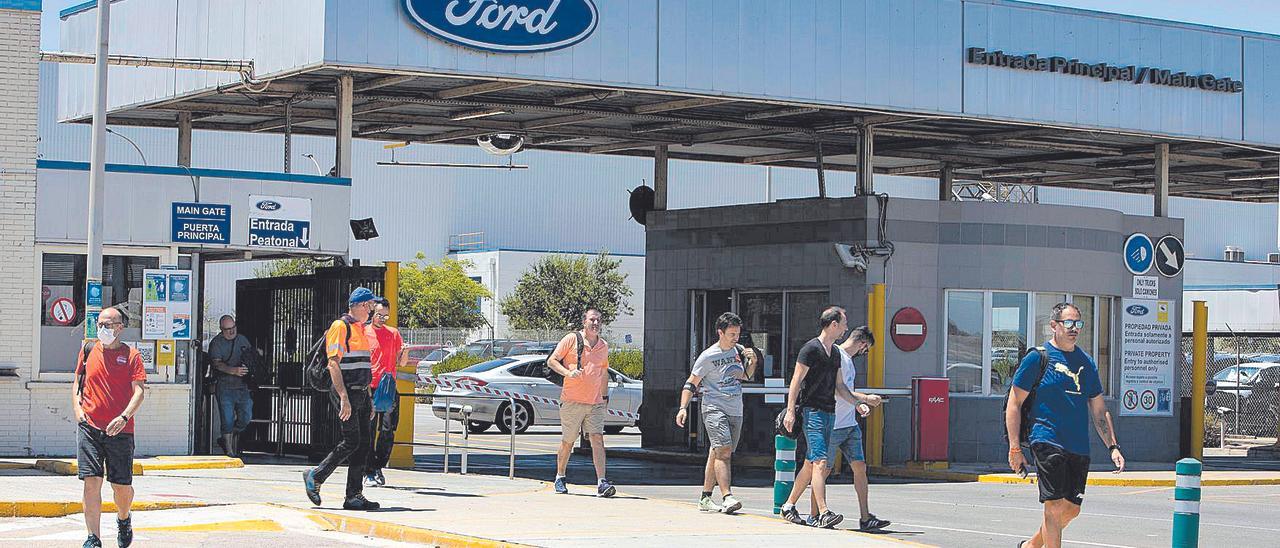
[388,352]
[106,394]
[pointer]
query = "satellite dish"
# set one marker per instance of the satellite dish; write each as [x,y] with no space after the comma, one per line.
[641,203]
[501,144]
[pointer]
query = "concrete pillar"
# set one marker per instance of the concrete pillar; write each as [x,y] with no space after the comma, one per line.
[346,85]
[822,174]
[660,177]
[1162,180]
[946,182]
[866,156]
[184,138]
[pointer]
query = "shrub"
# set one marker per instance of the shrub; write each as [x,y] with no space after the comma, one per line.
[628,362]
[456,362]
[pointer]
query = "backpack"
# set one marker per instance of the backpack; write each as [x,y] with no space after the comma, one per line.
[83,366]
[1025,411]
[557,378]
[317,369]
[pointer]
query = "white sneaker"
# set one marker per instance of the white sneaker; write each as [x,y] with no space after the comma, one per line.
[731,505]
[370,481]
[705,504]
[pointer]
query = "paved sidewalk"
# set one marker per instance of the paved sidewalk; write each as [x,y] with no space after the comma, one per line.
[452,509]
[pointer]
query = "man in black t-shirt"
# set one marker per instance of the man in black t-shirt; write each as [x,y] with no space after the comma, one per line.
[813,390]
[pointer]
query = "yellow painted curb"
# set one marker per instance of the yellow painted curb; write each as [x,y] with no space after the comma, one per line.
[192,464]
[55,509]
[69,467]
[1012,479]
[5,465]
[242,526]
[400,533]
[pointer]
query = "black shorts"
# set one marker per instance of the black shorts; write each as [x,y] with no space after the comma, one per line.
[97,453]
[1060,473]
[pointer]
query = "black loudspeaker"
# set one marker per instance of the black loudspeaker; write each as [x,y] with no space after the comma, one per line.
[363,229]
[641,203]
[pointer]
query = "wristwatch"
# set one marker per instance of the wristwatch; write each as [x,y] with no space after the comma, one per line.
[1113,447]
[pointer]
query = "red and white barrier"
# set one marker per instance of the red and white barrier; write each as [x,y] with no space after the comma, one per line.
[464,385]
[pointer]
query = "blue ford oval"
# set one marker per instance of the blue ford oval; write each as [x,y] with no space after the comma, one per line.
[268,205]
[1137,310]
[509,26]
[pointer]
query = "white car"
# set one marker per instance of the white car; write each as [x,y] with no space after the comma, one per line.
[524,374]
[436,356]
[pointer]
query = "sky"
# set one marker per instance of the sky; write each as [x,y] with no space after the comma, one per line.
[1254,15]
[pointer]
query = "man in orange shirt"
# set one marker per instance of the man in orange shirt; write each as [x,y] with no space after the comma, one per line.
[106,394]
[388,352]
[584,400]
[350,368]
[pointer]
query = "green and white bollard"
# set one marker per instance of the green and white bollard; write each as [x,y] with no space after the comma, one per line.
[784,470]
[1186,504]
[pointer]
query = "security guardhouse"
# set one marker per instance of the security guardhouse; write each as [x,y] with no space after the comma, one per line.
[988,99]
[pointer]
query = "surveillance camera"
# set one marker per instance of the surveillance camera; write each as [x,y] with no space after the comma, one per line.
[501,144]
[851,258]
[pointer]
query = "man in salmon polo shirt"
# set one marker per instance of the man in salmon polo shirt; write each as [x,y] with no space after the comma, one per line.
[584,400]
[106,394]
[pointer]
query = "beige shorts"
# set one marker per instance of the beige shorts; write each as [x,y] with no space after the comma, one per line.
[577,418]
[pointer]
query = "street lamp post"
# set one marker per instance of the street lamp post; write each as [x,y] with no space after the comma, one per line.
[97,162]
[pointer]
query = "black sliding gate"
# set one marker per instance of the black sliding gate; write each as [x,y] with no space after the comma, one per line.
[282,317]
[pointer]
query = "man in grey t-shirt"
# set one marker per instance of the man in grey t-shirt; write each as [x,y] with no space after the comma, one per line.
[227,351]
[717,376]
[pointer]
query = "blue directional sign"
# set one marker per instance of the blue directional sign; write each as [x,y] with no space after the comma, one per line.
[201,223]
[279,233]
[1139,253]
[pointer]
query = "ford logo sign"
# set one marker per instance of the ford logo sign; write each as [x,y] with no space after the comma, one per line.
[268,205]
[1137,310]
[508,26]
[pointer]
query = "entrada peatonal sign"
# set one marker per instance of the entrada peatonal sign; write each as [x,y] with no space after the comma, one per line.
[506,26]
[1103,71]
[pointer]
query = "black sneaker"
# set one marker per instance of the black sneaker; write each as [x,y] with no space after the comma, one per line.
[381,479]
[358,502]
[873,523]
[313,488]
[828,520]
[124,532]
[92,541]
[791,515]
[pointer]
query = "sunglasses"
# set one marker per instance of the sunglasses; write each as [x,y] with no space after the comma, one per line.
[1072,324]
[383,316]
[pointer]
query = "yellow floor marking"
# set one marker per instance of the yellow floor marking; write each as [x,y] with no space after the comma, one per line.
[242,526]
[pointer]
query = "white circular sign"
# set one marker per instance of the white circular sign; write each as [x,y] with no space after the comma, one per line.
[63,311]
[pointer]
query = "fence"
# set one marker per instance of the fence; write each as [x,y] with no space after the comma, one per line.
[458,336]
[1243,387]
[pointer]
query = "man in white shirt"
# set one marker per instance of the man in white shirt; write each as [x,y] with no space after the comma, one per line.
[847,435]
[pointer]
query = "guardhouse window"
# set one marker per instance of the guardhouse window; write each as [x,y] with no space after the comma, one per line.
[988,333]
[63,279]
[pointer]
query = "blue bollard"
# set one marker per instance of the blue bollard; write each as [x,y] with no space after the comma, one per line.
[784,470]
[1186,504]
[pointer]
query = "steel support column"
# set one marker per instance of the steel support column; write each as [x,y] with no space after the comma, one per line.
[945,182]
[184,138]
[866,155]
[1162,180]
[346,87]
[660,177]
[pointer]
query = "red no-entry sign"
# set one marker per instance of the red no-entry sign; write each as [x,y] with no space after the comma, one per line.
[908,329]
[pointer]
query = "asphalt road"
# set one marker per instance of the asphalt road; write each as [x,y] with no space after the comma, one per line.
[937,513]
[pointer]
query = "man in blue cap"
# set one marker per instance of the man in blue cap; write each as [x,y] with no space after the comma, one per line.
[350,366]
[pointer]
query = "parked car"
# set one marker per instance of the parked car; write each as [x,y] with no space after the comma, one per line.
[1253,393]
[1229,381]
[544,348]
[491,348]
[526,374]
[436,356]
[419,352]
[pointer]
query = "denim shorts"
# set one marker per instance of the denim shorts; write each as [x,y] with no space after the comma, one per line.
[849,441]
[817,433]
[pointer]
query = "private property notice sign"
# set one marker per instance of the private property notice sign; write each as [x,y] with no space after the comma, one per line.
[201,223]
[1148,357]
[279,221]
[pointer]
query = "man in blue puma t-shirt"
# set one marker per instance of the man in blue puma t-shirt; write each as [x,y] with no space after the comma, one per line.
[1069,392]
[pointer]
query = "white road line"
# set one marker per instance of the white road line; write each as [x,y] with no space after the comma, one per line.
[1093,514]
[1064,541]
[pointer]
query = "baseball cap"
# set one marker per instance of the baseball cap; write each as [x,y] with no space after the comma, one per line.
[360,295]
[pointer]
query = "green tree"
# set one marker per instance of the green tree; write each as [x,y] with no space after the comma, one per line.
[298,266]
[440,295]
[555,292]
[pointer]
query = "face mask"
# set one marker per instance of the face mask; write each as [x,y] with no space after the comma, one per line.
[107,335]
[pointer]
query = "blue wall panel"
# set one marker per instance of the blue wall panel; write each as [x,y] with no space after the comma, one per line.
[1262,90]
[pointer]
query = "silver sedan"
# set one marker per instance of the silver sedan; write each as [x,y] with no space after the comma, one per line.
[524,375]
